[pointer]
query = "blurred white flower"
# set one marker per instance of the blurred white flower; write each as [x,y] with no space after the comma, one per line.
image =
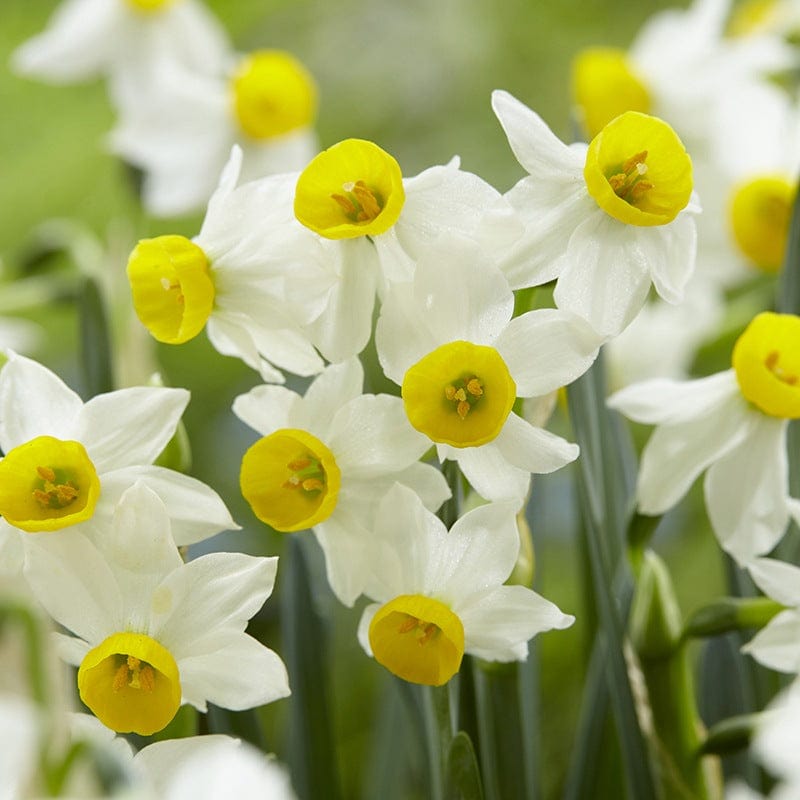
[324,461]
[440,593]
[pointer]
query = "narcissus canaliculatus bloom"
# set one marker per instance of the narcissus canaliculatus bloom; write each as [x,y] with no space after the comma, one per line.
[440,593]
[607,221]
[732,424]
[325,459]
[67,462]
[448,339]
[150,632]
[231,280]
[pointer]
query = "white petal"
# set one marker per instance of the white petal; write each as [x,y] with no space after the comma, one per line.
[672,250]
[130,426]
[363,626]
[371,434]
[332,389]
[396,265]
[195,510]
[777,646]
[536,147]
[241,674]
[677,454]
[230,336]
[34,402]
[73,581]
[499,623]
[489,472]
[606,276]
[663,401]
[746,491]
[267,408]
[212,595]
[534,449]
[69,648]
[461,294]
[547,349]
[427,482]
[160,760]
[777,579]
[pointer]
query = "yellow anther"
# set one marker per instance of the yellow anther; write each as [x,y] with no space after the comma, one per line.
[771,363]
[460,395]
[299,463]
[408,625]
[291,483]
[370,207]
[450,392]
[474,387]
[463,409]
[346,204]
[313,484]
[41,497]
[46,473]
[428,632]
[636,163]
[147,678]
[120,678]
[639,189]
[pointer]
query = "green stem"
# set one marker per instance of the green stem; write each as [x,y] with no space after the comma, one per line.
[451,508]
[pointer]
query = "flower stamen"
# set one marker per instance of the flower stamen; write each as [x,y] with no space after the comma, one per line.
[771,363]
[51,494]
[464,395]
[359,203]
[629,184]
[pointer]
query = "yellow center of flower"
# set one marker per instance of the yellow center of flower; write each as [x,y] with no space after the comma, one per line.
[605,85]
[766,358]
[131,684]
[47,484]
[149,5]
[172,288]
[460,394]
[291,480]
[273,94]
[417,638]
[638,171]
[351,189]
[760,211]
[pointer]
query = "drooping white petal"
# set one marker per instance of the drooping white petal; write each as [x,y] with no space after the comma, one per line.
[229,334]
[746,490]
[535,146]
[677,454]
[606,274]
[499,622]
[129,426]
[241,674]
[489,471]
[332,389]
[73,581]
[268,408]
[195,510]
[427,482]
[214,593]
[462,294]
[671,250]
[34,402]
[777,646]
[69,648]
[396,265]
[547,349]
[371,434]
[661,401]
[363,626]
[777,579]
[533,449]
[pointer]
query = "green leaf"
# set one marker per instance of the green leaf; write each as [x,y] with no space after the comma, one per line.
[98,375]
[312,751]
[731,735]
[603,478]
[463,780]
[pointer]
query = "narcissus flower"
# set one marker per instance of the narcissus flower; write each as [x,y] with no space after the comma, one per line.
[440,592]
[121,39]
[734,425]
[607,221]
[447,338]
[151,632]
[324,460]
[230,279]
[67,462]
[182,132]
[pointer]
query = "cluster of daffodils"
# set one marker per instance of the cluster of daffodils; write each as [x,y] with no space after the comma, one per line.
[336,268]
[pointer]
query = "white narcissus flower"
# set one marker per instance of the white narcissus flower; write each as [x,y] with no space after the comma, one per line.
[448,339]
[376,224]
[150,632]
[324,461]
[232,279]
[732,424]
[212,767]
[181,133]
[440,593]
[67,462]
[608,221]
[121,39]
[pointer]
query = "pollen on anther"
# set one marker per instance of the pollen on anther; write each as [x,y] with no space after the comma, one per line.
[46,473]
[463,409]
